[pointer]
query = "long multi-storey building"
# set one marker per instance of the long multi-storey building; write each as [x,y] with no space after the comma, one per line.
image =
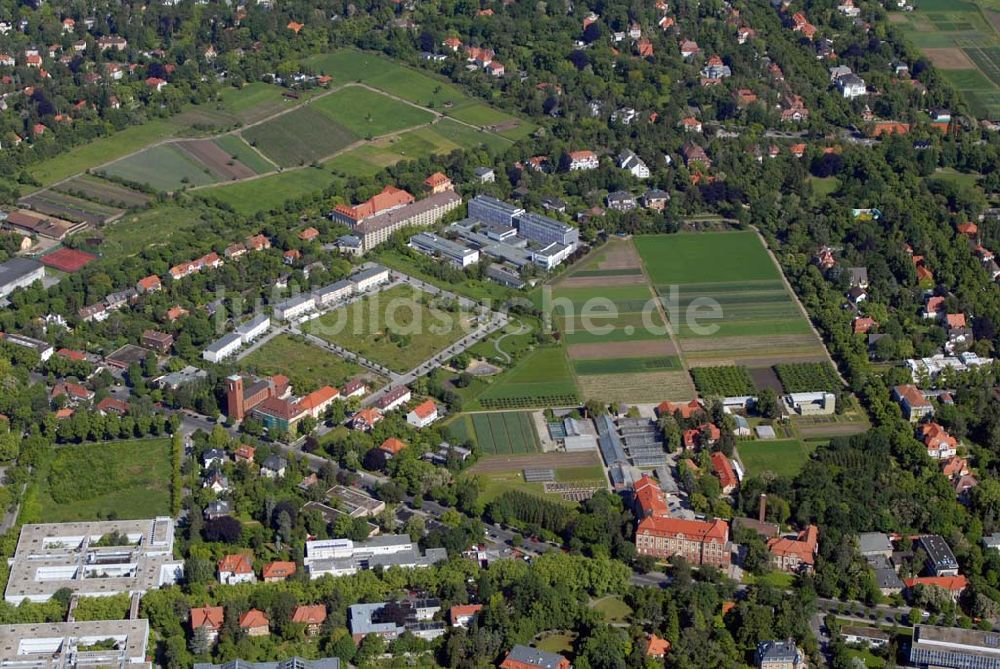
[456,254]
[697,541]
[75,645]
[545,230]
[343,557]
[377,229]
[493,211]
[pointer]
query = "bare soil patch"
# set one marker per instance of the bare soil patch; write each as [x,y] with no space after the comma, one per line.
[724,344]
[506,463]
[622,349]
[765,377]
[950,58]
[218,161]
[599,281]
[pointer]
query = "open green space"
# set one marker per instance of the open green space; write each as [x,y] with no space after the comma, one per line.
[397,328]
[781,457]
[614,609]
[542,378]
[505,432]
[106,192]
[557,642]
[367,113]
[299,137]
[806,377]
[164,167]
[168,224]
[308,367]
[129,479]
[237,148]
[272,191]
[824,185]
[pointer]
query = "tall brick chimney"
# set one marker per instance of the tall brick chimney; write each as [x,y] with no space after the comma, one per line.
[234,397]
[763,507]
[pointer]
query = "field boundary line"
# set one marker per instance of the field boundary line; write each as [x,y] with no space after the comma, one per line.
[798,303]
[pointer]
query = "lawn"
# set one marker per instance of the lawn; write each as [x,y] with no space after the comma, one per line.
[556,642]
[299,137]
[243,152]
[951,175]
[307,366]
[505,433]
[824,185]
[395,328]
[542,378]
[272,191]
[614,609]
[369,114]
[781,457]
[776,579]
[128,478]
[163,167]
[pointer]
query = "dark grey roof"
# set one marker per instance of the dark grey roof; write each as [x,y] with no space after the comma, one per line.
[535,657]
[15,268]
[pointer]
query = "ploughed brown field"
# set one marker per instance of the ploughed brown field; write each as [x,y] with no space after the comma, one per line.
[622,349]
[214,158]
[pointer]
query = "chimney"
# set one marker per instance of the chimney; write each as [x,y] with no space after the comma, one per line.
[234,397]
[763,507]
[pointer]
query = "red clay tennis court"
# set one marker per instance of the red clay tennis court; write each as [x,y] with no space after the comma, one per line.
[67,260]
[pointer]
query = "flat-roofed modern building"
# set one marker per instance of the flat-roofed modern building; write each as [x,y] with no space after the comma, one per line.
[335,292]
[439,247]
[545,230]
[343,557]
[493,211]
[940,560]
[75,645]
[93,559]
[369,277]
[19,273]
[955,648]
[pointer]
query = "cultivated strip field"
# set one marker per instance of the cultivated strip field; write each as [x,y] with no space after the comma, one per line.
[505,432]
[761,323]
[70,207]
[622,351]
[212,156]
[962,39]
[542,379]
[101,190]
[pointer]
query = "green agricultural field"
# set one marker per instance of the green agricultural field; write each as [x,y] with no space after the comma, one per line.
[705,258]
[243,152]
[505,433]
[542,378]
[308,367]
[255,101]
[729,381]
[403,333]
[299,137]
[88,482]
[104,191]
[726,300]
[163,167]
[781,457]
[805,377]
[366,113]
[272,191]
[628,365]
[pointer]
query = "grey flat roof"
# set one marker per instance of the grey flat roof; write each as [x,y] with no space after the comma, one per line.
[874,542]
[223,341]
[290,663]
[63,645]
[15,268]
